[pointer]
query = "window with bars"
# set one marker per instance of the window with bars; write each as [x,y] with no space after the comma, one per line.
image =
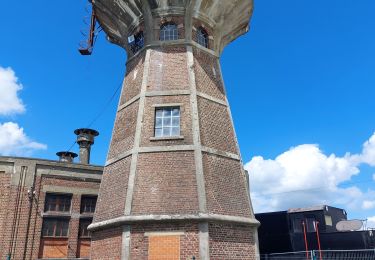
[167,121]
[83,224]
[57,203]
[55,227]
[202,37]
[168,32]
[88,204]
[139,42]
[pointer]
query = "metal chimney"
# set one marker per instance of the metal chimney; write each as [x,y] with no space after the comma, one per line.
[85,139]
[65,156]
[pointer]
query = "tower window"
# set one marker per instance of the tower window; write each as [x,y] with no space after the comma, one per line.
[202,37]
[167,121]
[169,32]
[138,43]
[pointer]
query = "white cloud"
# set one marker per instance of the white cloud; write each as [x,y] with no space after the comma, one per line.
[368,204]
[305,176]
[14,141]
[10,103]
[371,222]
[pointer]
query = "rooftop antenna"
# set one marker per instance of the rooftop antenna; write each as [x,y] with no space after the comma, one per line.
[86,46]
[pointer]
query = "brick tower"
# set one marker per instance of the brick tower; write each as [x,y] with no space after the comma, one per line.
[174,186]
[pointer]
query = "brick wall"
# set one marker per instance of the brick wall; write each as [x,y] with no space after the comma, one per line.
[225,186]
[216,129]
[124,131]
[165,184]
[133,78]
[106,244]
[168,69]
[21,229]
[234,242]
[207,74]
[111,202]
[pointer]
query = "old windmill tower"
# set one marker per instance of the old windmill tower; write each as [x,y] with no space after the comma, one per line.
[174,186]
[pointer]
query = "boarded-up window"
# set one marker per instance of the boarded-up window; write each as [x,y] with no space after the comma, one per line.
[53,248]
[164,248]
[84,245]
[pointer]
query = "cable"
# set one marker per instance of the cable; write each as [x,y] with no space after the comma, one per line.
[105,106]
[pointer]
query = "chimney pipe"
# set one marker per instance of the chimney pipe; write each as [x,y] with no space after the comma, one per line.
[65,156]
[85,139]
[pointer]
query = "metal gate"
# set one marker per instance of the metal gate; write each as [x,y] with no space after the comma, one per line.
[323,255]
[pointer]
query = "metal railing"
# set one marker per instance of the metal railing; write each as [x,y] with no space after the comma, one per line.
[323,255]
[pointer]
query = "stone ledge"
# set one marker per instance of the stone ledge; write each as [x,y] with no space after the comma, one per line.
[124,220]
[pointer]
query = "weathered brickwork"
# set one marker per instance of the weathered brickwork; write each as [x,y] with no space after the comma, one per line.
[168,69]
[124,131]
[163,186]
[22,212]
[225,186]
[149,121]
[133,78]
[111,202]
[207,74]
[229,241]
[106,244]
[4,200]
[189,240]
[213,118]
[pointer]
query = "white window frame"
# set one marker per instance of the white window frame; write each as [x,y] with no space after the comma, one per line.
[167,121]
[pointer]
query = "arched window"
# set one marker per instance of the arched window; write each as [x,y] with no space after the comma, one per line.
[202,37]
[138,42]
[168,32]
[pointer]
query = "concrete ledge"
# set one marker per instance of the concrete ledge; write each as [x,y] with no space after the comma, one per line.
[125,220]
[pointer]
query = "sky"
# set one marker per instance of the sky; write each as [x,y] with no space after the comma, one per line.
[301,85]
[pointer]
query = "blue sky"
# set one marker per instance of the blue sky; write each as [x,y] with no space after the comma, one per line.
[301,85]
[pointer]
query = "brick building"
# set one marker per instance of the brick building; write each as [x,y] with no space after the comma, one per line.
[173,185]
[46,206]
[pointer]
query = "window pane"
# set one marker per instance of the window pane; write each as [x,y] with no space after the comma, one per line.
[158,123]
[159,132]
[53,227]
[167,112]
[167,122]
[57,203]
[328,220]
[175,131]
[310,224]
[297,225]
[176,112]
[159,112]
[176,121]
[167,131]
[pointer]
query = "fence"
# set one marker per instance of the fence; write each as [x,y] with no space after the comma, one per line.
[323,255]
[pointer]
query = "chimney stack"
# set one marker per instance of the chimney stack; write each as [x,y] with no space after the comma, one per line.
[65,156]
[85,139]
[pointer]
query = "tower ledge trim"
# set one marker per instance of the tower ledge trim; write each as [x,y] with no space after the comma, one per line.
[202,217]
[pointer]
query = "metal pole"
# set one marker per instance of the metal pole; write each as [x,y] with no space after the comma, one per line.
[318,238]
[305,237]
